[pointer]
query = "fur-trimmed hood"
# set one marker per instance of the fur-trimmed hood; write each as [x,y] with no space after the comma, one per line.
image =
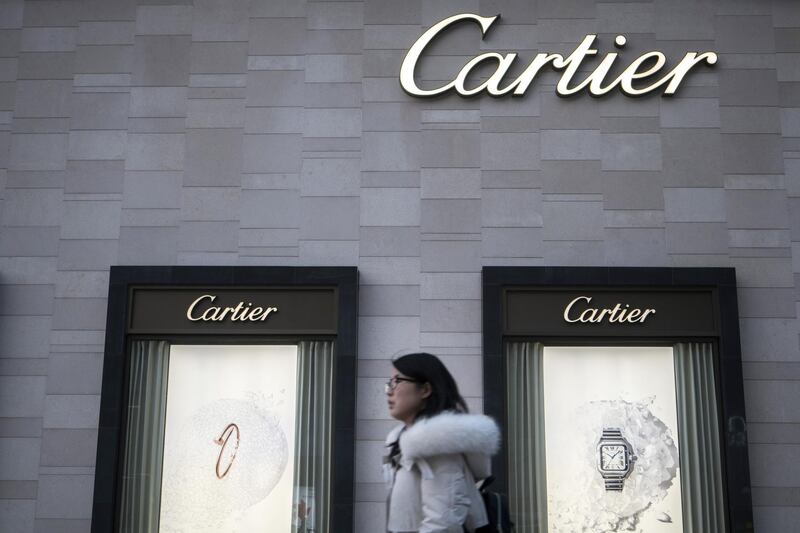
[447,433]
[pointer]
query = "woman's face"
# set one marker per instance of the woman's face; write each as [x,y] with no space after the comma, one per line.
[407,398]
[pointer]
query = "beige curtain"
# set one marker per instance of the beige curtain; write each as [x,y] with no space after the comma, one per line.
[527,487]
[700,447]
[315,364]
[144,437]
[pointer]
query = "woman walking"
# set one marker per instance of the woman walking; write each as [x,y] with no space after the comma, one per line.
[438,452]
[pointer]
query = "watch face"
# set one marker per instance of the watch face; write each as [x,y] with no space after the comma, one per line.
[613,457]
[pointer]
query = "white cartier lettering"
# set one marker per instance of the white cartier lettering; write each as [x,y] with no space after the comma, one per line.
[578,311]
[242,312]
[642,69]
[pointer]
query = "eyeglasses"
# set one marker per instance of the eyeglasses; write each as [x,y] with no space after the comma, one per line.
[393,382]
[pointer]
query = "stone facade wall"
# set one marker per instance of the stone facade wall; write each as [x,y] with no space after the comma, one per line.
[275,132]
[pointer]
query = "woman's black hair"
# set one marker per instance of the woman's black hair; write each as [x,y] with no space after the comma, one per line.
[424,367]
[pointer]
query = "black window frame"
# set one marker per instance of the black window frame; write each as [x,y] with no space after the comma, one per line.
[111,436]
[730,386]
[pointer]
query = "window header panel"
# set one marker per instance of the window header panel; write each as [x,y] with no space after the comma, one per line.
[240,310]
[599,312]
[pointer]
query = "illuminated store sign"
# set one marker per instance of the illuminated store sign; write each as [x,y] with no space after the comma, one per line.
[578,310]
[637,79]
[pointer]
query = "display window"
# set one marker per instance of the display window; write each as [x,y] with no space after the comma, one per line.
[224,401]
[622,399]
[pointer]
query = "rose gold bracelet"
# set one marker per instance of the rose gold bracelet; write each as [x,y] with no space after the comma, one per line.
[222,441]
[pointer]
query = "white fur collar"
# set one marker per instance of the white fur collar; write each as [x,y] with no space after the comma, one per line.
[448,432]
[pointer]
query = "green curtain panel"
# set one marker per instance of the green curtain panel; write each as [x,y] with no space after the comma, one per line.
[527,481]
[315,367]
[144,437]
[700,447]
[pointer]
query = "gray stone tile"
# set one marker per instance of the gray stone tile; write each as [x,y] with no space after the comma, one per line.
[161,60]
[43,98]
[17,515]
[99,111]
[210,203]
[19,458]
[25,336]
[65,496]
[510,151]
[152,189]
[38,152]
[79,314]
[87,254]
[91,220]
[208,237]
[321,68]
[106,32]
[335,15]
[46,65]
[277,36]
[155,151]
[148,245]
[380,337]
[571,144]
[631,151]
[744,34]
[690,113]
[692,158]
[106,59]
[756,87]
[272,153]
[450,148]
[270,209]
[573,221]
[450,183]
[450,216]
[511,208]
[450,315]
[94,177]
[384,11]
[750,119]
[387,241]
[390,207]
[330,177]
[98,145]
[391,151]
[512,242]
[68,447]
[218,58]
[389,300]
[158,102]
[332,123]
[756,209]
[694,205]
[214,21]
[697,238]
[275,88]
[22,396]
[751,154]
[75,373]
[20,300]
[335,218]
[164,20]
[33,207]
[450,256]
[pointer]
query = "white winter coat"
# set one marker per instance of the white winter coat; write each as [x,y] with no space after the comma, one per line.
[441,458]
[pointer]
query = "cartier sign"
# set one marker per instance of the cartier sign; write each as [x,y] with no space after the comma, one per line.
[201,309]
[576,312]
[642,76]
[233,310]
[580,310]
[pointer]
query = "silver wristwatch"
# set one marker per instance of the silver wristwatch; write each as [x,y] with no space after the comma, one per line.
[615,458]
